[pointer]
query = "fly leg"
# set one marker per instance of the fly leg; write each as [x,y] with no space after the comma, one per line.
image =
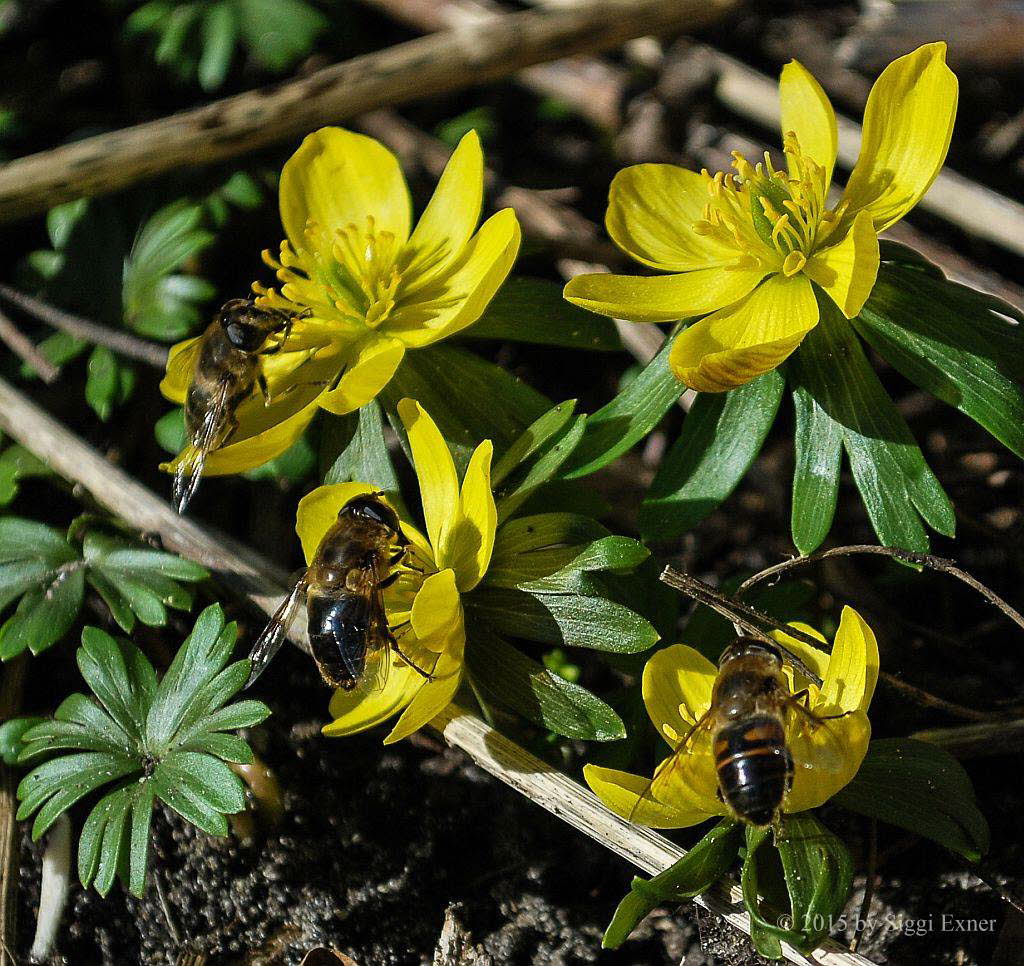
[802,700]
[393,641]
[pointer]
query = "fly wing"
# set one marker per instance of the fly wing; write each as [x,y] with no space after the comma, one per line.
[204,441]
[378,652]
[676,771]
[272,637]
[814,743]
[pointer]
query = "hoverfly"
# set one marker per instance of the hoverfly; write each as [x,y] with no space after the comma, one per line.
[227,368]
[342,588]
[745,726]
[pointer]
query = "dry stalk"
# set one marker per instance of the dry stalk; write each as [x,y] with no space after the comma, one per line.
[472,54]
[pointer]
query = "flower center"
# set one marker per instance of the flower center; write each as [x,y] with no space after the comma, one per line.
[367,268]
[769,216]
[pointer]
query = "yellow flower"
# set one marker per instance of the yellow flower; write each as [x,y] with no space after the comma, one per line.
[441,566]
[363,284]
[677,684]
[751,247]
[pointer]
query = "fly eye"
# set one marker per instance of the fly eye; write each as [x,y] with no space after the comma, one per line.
[370,508]
[243,336]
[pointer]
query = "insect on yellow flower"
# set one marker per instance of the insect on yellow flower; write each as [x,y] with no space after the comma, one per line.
[753,246]
[361,284]
[677,690]
[424,604]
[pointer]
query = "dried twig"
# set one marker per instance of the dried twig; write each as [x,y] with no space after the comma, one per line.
[443,62]
[247,575]
[978,740]
[23,347]
[928,560]
[744,615]
[123,343]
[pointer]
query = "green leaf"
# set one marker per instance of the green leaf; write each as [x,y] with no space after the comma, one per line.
[819,873]
[696,872]
[103,382]
[12,733]
[44,615]
[950,341]
[17,464]
[147,740]
[550,425]
[514,680]
[629,417]
[554,570]
[562,619]
[157,302]
[894,481]
[720,439]
[542,470]
[366,459]
[27,540]
[279,32]
[203,655]
[763,934]
[541,531]
[922,788]
[819,451]
[169,430]
[469,399]
[533,310]
[220,31]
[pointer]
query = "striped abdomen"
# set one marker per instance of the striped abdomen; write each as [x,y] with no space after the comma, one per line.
[755,768]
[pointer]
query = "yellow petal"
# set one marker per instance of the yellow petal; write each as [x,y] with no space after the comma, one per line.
[808,113]
[663,298]
[181,366]
[677,684]
[355,711]
[434,695]
[368,369]
[435,470]
[815,658]
[825,757]
[318,512]
[623,792]
[652,209]
[452,214]
[749,338]
[339,178]
[908,123]
[847,271]
[849,682]
[256,445]
[470,542]
[438,305]
[437,612]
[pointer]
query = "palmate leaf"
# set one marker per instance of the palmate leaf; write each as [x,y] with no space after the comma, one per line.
[720,439]
[47,573]
[147,741]
[899,490]
[922,788]
[963,346]
[509,677]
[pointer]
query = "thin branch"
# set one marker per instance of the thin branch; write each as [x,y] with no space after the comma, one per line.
[452,60]
[940,564]
[743,614]
[123,343]
[23,347]
[978,740]
[245,574]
